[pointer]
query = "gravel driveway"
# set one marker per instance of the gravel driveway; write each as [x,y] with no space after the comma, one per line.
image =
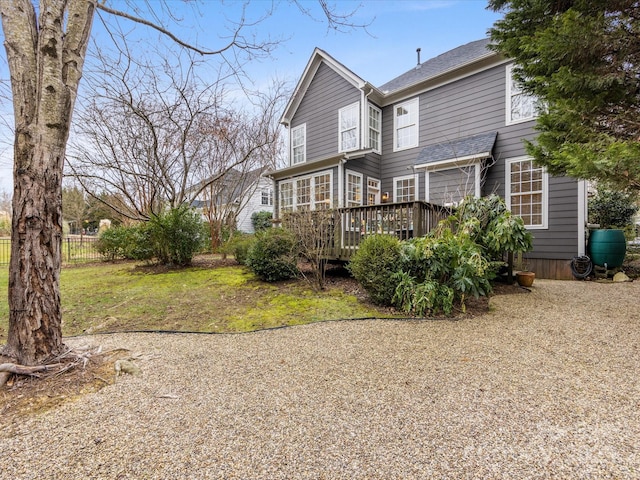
[543,386]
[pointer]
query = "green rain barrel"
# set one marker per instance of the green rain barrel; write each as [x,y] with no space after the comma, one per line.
[607,246]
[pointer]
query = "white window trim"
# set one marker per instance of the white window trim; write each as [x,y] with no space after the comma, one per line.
[377,189]
[416,193]
[302,127]
[354,106]
[415,101]
[545,192]
[293,181]
[379,149]
[359,176]
[508,120]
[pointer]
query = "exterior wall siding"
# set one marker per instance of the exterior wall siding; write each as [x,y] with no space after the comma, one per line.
[254,204]
[327,93]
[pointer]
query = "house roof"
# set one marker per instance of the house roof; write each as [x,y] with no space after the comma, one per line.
[443,63]
[318,57]
[461,149]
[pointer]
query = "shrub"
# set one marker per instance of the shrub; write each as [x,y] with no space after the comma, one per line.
[612,209]
[374,265]
[273,256]
[261,220]
[439,271]
[239,246]
[176,235]
[131,243]
[111,243]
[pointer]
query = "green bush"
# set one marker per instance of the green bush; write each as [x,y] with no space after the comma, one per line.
[238,246]
[374,265]
[176,235]
[261,220]
[440,271]
[273,256]
[131,243]
[611,209]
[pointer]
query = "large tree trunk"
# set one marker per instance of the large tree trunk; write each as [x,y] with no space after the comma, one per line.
[45,58]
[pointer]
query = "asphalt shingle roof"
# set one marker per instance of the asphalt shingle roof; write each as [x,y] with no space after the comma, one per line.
[440,64]
[458,148]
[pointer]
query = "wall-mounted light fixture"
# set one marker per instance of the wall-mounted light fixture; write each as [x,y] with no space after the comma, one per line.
[385,197]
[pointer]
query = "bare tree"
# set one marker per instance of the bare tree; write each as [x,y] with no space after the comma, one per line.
[240,153]
[46,47]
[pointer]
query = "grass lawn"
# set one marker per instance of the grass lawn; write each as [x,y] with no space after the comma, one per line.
[212,298]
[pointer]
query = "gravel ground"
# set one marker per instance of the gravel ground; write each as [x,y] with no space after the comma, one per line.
[543,386]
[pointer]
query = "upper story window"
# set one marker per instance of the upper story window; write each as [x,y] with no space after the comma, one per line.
[349,124]
[521,107]
[405,189]
[354,189]
[527,191]
[267,197]
[405,122]
[375,128]
[299,144]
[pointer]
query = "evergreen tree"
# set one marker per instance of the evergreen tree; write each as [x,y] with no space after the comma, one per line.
[581,58]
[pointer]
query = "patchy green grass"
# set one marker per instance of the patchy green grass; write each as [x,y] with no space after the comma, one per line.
[118,297]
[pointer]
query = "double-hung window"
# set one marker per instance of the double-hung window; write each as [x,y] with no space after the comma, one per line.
[299,144]
[405,125]
[521,107]
[267,197]
[375,128]
[349,121]
[527,191]
[354,189]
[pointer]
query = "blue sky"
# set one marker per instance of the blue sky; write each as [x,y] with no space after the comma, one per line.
[385,50]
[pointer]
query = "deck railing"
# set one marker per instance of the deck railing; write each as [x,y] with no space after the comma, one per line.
[349,226]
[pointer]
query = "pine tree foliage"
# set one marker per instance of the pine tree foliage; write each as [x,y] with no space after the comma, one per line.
[582,59]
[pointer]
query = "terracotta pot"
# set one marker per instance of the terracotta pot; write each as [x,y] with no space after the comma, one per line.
[525,279]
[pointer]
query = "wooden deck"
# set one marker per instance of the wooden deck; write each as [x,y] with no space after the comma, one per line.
[344,228]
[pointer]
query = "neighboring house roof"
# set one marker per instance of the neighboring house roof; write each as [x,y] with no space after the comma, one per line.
[234,183]
[460,149]
[443,63]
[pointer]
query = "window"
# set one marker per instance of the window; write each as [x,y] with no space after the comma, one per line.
[286,197]
[373,191]
[527,187]
[322,191]
[349,121]
[311,192]
[375,128]
[299,144]
[404,189]
[354,189]
[303,193]
[267,197]
[405,120]
[520,106]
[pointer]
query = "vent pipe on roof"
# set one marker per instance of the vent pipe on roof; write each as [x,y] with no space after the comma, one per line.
[418,52]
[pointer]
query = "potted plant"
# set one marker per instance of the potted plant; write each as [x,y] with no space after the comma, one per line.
[524,277]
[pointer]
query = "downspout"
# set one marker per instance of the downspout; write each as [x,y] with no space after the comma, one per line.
[582,217]
[341,163]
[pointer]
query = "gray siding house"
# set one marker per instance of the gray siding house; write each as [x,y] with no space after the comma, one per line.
[449,127]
